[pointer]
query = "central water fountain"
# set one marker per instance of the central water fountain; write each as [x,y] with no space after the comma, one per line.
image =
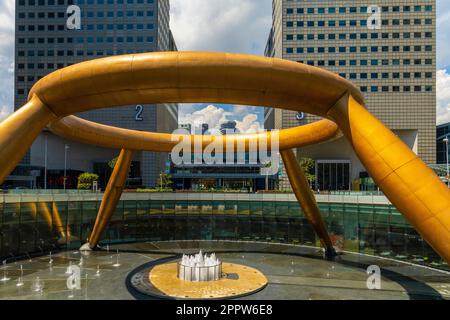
[200,268]
[198,276]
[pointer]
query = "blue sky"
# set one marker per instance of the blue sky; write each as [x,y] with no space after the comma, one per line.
[443,34]
[221,25]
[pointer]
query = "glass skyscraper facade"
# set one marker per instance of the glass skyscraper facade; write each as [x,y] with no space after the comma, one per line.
[387,48]
[45,42]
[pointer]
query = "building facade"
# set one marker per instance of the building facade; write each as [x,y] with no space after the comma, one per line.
[46,42]
[246,176]
[387,48]
[442,133]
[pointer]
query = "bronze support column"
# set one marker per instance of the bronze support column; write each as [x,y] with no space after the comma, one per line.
[307,200]
[112,196]
[18,132]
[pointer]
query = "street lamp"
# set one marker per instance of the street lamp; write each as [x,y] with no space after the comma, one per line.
[66,148]
[446,156]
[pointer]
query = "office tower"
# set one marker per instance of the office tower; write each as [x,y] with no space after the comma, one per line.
[46,42]
[186,126]
[391,57]
[205,128]
[229,127]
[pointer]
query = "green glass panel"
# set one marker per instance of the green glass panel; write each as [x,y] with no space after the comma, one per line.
[182,208]
[282,209]
[155,207]
[256,208]
[243,208]
[269,209]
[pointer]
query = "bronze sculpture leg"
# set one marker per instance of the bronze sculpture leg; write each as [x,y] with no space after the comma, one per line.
[111,197]
[18,132]
[307,200]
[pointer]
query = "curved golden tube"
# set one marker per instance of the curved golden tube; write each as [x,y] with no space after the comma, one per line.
[164,77]
[305,197]
[238,79]
[84,131]
[18,131]
[170,77]
[405,179]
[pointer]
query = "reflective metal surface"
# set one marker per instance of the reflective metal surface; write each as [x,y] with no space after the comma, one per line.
[239,79]
[112,195]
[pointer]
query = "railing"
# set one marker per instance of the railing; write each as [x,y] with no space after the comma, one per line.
[46,191]
[74,196]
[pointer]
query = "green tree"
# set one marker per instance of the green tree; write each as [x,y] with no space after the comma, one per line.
[165,181]
[307,165]
[112,163]
[86,181]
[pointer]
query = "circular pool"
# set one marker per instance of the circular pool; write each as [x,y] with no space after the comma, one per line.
[292,272]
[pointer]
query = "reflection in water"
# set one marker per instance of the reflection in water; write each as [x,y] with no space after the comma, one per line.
[52,218]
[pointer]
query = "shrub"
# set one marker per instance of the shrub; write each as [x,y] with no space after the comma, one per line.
[86,180]
[84,186]
[154,190]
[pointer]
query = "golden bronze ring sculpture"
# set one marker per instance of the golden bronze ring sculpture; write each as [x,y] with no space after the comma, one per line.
[84,131]
[234,79]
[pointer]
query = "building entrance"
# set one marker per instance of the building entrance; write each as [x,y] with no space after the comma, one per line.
[333,175]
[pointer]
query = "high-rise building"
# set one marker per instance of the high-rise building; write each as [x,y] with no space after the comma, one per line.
[45,42]
[205,128]
[387,48]
[229,127]
[442,134]
[195,129]
[186,126]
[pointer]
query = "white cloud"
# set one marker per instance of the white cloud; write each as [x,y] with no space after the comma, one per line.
[240,110]
[249,124]
[6,57]
[211,115]
[443,36]
[215,116]
[226,25]
[4,112]
[443,97]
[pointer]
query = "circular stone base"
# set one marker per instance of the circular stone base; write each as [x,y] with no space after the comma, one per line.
[238,281]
